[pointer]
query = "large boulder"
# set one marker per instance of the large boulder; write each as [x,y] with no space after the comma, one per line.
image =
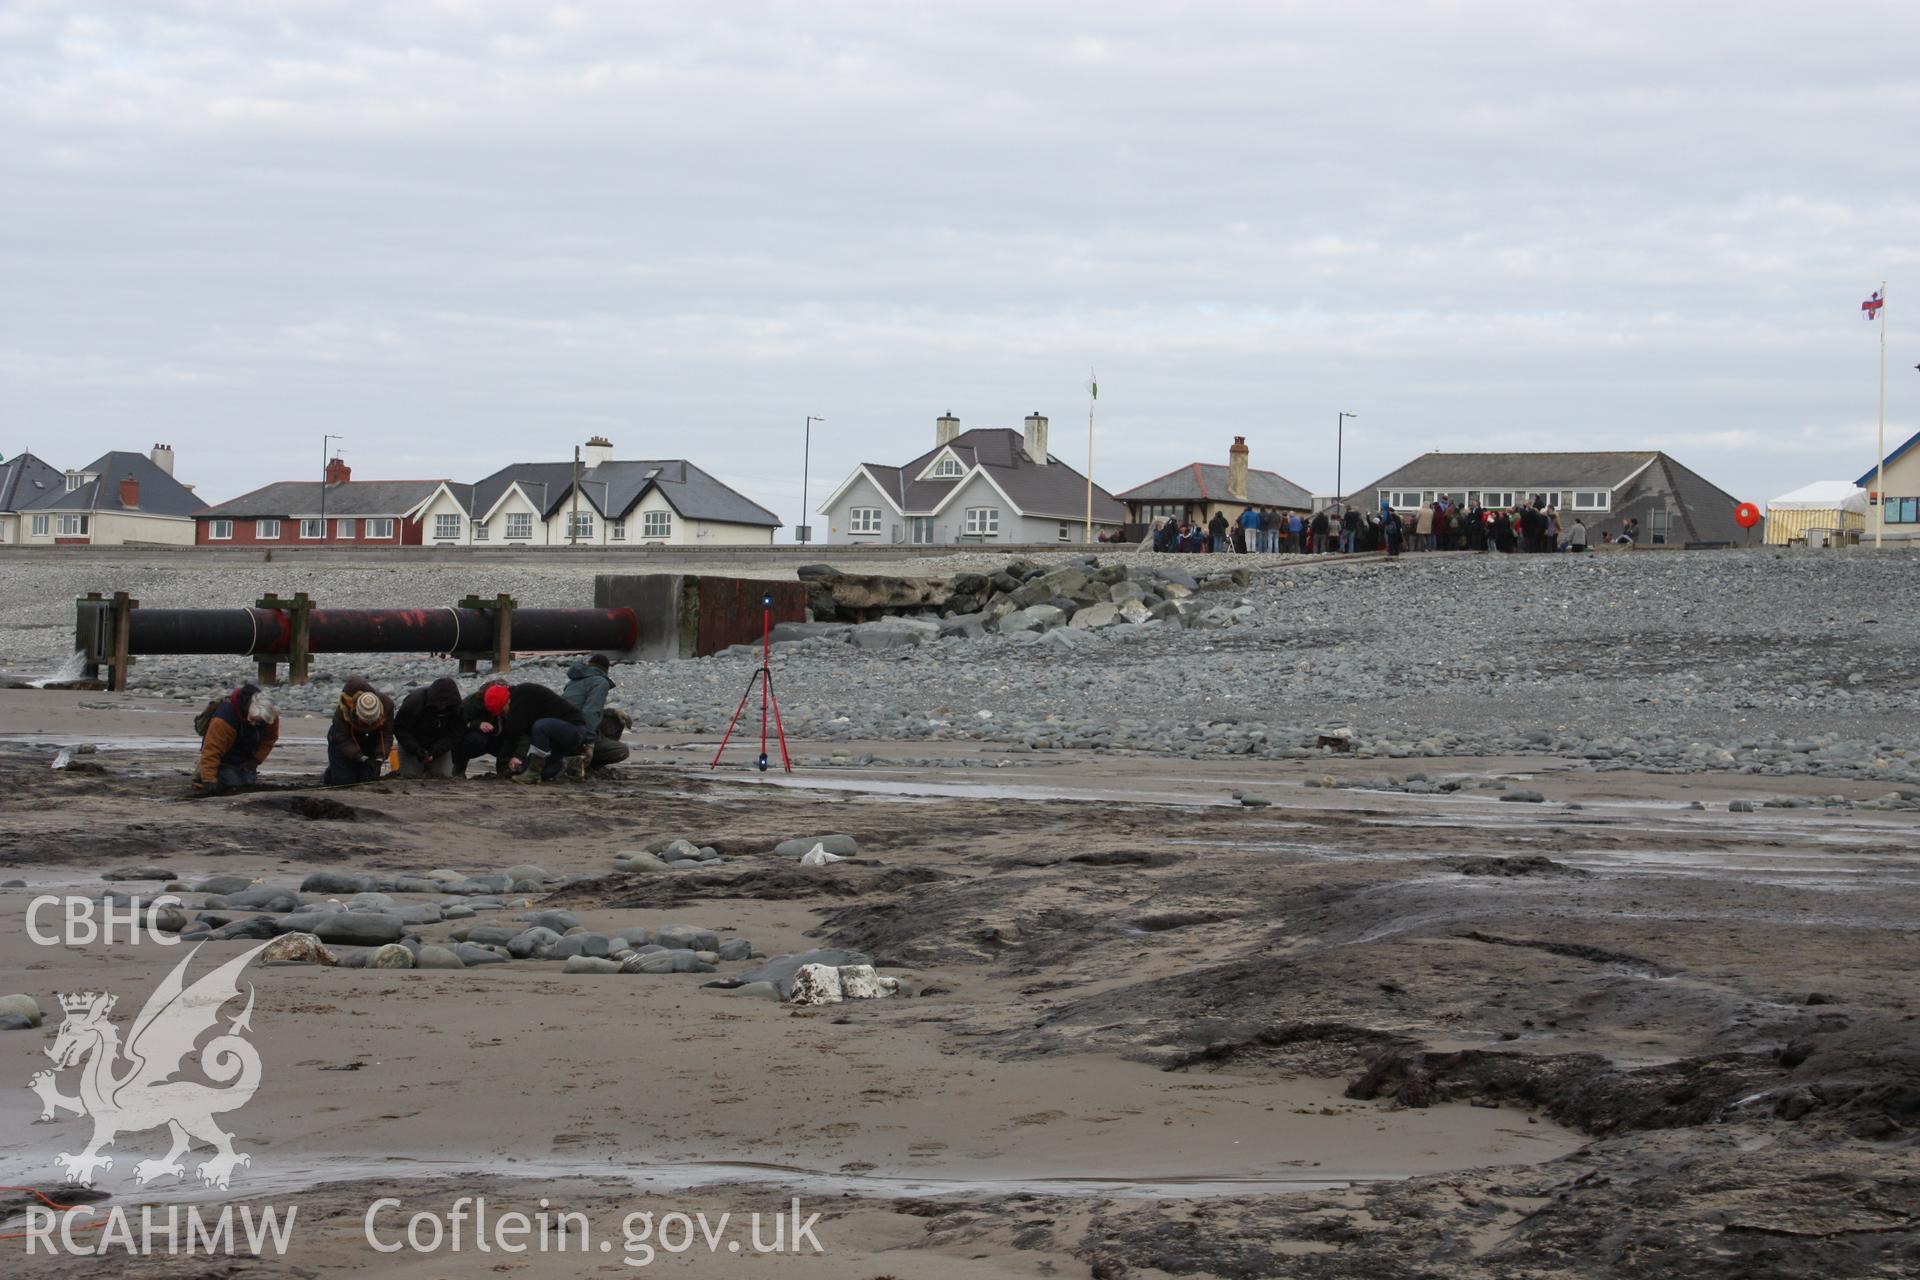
[25,1008]
[862,595]
[1095,616]
[780,970]
[298,948]
[1040,617]
[350,928]
[794,632]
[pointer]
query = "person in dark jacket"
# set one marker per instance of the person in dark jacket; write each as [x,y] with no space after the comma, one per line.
[239,736]
[1319,529]
[1217,532]
[428,729]
[361,735]
[587,687]
[540,728]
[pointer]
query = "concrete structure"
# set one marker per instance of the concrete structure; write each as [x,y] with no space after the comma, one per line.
[1673,505]
[665,503]
[119,499]
[983,486]
[359,513]
[696,615]
[1901,508]
[1199,489]
[25,481]
[1824,513]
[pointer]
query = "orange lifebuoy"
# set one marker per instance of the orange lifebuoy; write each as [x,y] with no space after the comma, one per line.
[1746,515]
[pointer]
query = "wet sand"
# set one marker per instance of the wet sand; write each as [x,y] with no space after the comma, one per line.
[1219,1030]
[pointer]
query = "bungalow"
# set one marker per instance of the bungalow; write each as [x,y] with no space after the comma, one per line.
[24,481]
[118,499]
[1896,512]
[1196,491]
[991,485]
[339,511]
[1672,505]
[617,503]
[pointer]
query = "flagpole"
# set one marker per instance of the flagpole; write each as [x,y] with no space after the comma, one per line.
[1880,472]
[1093,395]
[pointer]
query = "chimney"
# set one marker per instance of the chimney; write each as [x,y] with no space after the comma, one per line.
[1237,470]
[162,456]
[130,493]
[946,429]
[598,450]
[338,472]
[1036,447]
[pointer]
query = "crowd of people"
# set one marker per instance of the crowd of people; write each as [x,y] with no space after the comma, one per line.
[532,733]
[1444,525]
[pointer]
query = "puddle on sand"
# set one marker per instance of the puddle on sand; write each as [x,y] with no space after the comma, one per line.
[976,790]
[688,1175]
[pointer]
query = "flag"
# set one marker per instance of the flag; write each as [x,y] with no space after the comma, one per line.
[1872,305]
[1093,385]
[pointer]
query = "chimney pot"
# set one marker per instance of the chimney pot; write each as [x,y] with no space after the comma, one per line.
[1035,443]
[161,456]
[338,472]
[946,429]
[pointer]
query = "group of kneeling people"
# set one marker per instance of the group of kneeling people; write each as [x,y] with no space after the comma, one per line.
[532,733]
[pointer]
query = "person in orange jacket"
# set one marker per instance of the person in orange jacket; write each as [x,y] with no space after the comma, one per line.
[239,735]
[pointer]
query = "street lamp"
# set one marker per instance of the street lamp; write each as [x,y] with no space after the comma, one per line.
[1339,450]
[324,440]
[804,533]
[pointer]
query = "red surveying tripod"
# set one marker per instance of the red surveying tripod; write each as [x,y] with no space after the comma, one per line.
[764,678]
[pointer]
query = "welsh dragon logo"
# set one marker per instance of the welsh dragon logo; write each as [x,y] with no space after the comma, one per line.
[133,1088]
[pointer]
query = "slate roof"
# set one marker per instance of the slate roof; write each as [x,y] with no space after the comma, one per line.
[26,480]
[612,489]
[1207,482]
[1529,471]
[1866,480]
[160,493]
[294,499]
[1053,490]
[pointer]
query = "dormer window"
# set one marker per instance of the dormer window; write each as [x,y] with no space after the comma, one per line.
[948,468]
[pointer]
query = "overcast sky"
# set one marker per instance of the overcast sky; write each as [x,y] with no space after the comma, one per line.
[467,233]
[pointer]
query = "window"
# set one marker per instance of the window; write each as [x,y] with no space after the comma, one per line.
[617,530]
[1590,499]
[863,520]
[983,522]
[314,528]
[948,468]
[346,528]
[1157,512]
[219,531]
[74,480]
[659,524]
[266,530]
[73,526]
[1066,533]
[446,528]
[920,529]
[519,525]
[479,530]
[1497,499]
[580,525]
[40,526]
[1403,499]
[1898,511]
[380,530]
[1657,522]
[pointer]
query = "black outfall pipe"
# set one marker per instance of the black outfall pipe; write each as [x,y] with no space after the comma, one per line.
[261,632]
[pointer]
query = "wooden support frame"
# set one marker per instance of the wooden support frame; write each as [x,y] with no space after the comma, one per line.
[83,643]
[501,607]
[119,660]
[299,611]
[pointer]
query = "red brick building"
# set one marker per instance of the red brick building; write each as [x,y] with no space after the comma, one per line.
[358,513]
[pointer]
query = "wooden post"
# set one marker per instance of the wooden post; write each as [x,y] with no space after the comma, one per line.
[502,634]
[119,659]
[299,654]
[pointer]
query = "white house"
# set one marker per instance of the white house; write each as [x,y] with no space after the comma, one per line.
[117,499]
[617,504]
[991,485]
